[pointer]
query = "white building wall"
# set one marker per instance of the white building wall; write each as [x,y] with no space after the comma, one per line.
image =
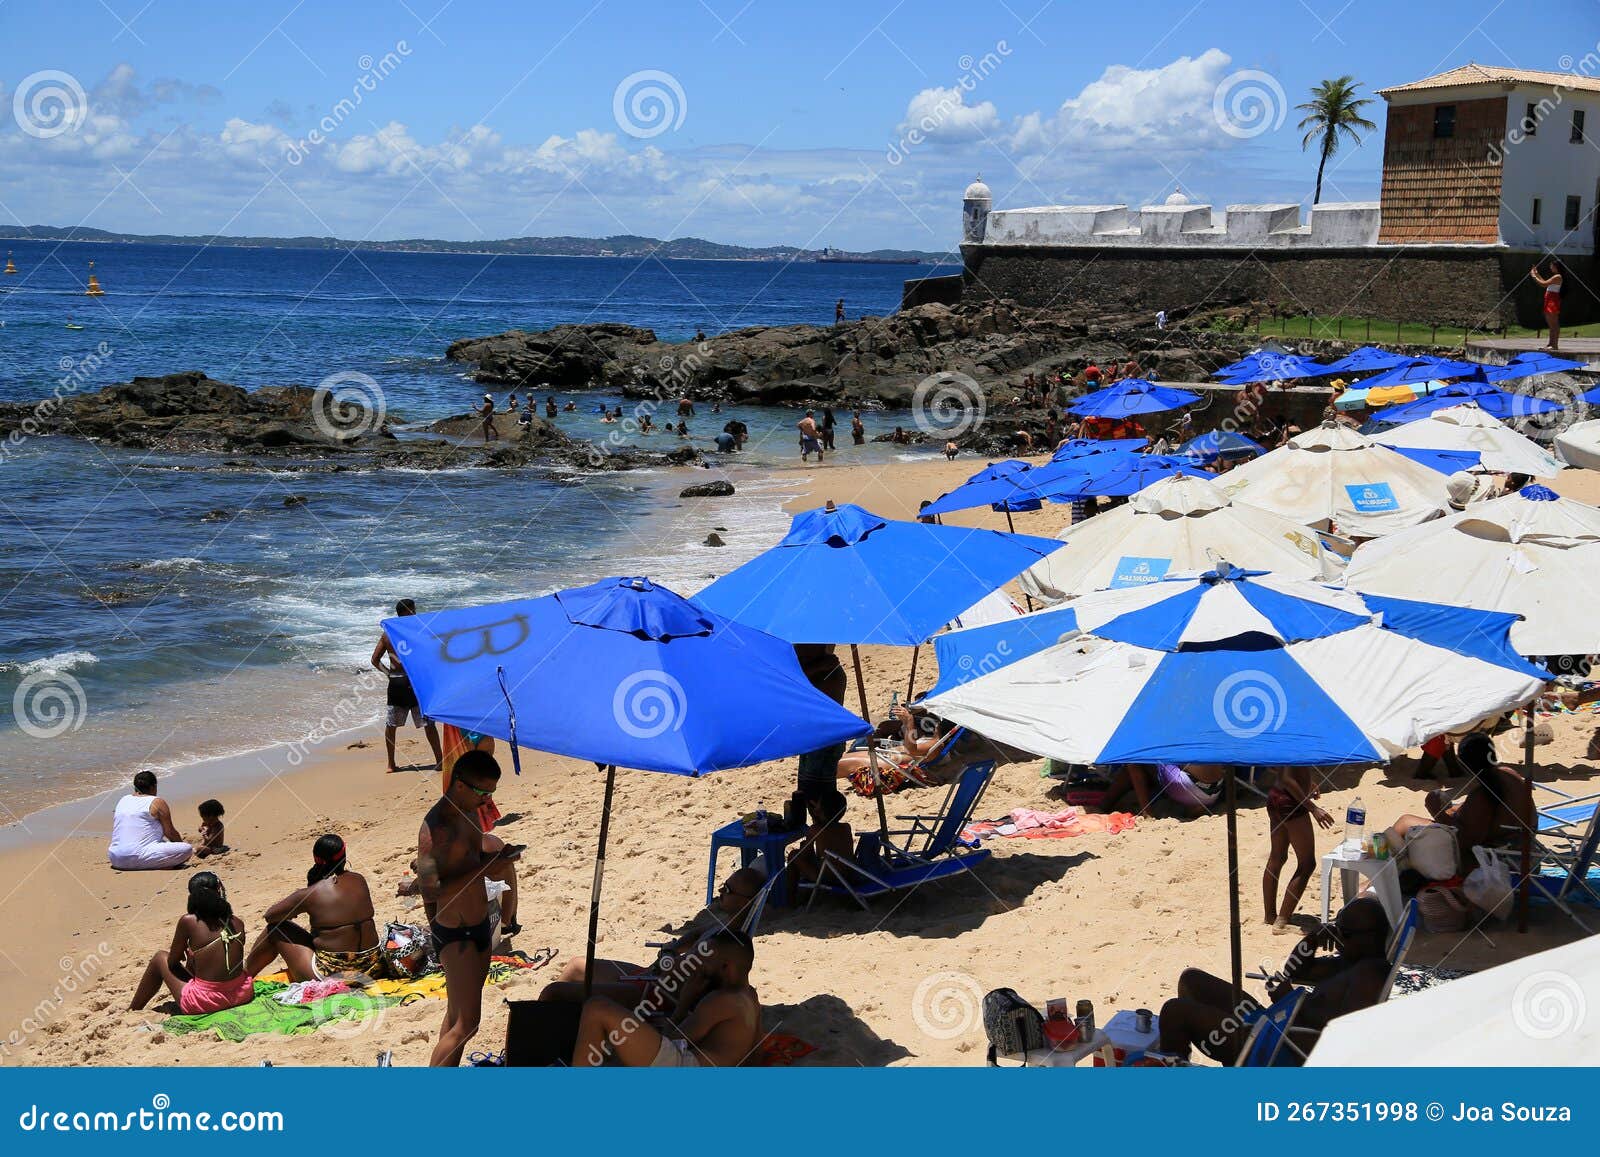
[1549,166]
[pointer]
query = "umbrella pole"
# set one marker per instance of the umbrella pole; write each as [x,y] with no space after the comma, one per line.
[1235,948]
[599,875]
[1009,525]
[911,683]
[1527,835]
[872,742]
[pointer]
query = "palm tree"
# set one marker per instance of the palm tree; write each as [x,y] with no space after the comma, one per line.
[1333,108]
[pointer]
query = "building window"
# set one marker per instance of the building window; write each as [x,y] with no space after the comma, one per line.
[1444,122]
[1530,123]
[1574,211]
[1538,205]
[1577,126]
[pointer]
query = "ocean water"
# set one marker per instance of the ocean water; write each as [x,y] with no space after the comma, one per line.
[134,632]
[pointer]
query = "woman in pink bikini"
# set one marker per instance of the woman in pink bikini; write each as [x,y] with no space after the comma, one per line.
[204,968]
[1552,300]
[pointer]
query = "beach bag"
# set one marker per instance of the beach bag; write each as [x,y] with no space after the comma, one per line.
[1430,850]
[1488,886]
[1442,909]
[1014,1027]
[408,949]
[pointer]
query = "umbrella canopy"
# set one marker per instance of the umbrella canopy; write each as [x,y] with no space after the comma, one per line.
[1129,397]
[1220,444]
[1233,667]
[1579,444]
[845,575]
[1495,402]
[1277,367]
[620,672]
[1332,475]
[1178,525]
[996,486]
[1529,365]
[1443,461]
[1369,359]
[1533,553]
[1466,427]
[1541,1010]
[1424,370]
[1116,475]
[1078,447]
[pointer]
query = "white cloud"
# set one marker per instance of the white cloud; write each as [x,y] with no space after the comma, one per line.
[942,114]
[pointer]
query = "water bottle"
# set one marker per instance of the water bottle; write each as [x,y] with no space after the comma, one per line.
[1355,825]
[894,704]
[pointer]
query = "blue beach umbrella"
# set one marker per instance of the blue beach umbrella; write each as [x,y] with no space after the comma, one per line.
[993,486]
[1369,359]
[1232,667]
[1131,397]
[1115,475]
[1495,402]
[1422,371]
[1444,461]
[1276,367]
[622,673]
[1219,444]
[1078,447]
[1530,365]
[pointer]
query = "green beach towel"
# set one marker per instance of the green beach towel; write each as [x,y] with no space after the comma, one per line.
[265,1014]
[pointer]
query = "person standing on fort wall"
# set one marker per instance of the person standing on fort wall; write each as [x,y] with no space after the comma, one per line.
[1551,284]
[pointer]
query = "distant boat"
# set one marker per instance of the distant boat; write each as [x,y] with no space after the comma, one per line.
[832,256]
[73,325]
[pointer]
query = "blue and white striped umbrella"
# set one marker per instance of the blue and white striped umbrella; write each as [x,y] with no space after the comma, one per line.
[1233,667]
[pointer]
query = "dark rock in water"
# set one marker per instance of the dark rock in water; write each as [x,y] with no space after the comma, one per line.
[721,488]
[295,500]
[216,516]
[713,540]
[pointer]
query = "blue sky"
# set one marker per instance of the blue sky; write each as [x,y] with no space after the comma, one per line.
[850,124]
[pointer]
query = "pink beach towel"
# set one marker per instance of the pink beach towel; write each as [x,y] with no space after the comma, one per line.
[1031,824]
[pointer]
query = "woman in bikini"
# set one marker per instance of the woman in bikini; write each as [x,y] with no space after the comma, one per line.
[918,740]
[1551,284]
[1290,810]
[343,940]
[205,967]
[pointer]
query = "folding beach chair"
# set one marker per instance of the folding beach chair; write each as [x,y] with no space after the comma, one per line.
[933,848]
[1400,946]
[1269,1044]
[1560,873]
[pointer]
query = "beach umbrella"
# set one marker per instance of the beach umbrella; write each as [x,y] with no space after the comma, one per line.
[844,575]
[1423,370]
[1491,400]
[1333,476]
[1129,397]
[1529,365]
[1179,524]
[1369,359]
[1468,428]
[1231,667]
[1220,444]
[1116,475]
[1579,444]
[1443,461]
[1078,447]
[1277,367]
[1540,1010]
[994,486]
[623,673]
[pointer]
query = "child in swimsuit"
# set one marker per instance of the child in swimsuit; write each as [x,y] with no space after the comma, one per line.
[1290,811]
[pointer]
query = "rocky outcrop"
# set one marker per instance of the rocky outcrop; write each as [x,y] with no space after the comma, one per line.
[721,488]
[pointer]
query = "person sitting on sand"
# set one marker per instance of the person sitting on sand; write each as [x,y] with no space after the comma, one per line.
[454,858]
[402,700]
[142,835]
[212,835]
[343,937]
[626,982]
[1498,806]
[1290,810]
[205,967]
[1191,792]
[828,833]
[1206,1016]
[715,1022]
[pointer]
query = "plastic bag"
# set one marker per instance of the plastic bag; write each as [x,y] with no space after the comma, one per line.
[1488,886]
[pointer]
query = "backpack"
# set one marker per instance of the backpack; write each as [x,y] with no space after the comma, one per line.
[1013,1026]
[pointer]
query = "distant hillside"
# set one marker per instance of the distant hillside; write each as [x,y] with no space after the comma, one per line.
[625,245]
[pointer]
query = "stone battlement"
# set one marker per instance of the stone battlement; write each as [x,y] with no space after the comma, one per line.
[1179,223]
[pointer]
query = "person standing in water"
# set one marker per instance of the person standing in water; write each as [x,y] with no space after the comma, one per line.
[838,312]
[402,700]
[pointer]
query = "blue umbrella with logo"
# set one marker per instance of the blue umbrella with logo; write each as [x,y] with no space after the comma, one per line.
[621,673]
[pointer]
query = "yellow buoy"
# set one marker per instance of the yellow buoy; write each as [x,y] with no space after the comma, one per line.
[11,266]
[94,289]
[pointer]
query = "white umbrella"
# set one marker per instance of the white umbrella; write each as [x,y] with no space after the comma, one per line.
[1466,427]
[1531,553]
[1179,524]
[1541,1010]
[1332,477]
[1579,444]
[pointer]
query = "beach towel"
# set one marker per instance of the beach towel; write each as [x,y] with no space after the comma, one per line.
[265,1014]
[1038,825]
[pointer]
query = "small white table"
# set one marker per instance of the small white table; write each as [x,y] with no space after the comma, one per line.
[1385,877]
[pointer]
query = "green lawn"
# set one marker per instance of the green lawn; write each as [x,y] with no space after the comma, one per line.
[1379,331]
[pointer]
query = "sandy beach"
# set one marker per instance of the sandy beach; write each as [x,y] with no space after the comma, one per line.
[1113,918]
